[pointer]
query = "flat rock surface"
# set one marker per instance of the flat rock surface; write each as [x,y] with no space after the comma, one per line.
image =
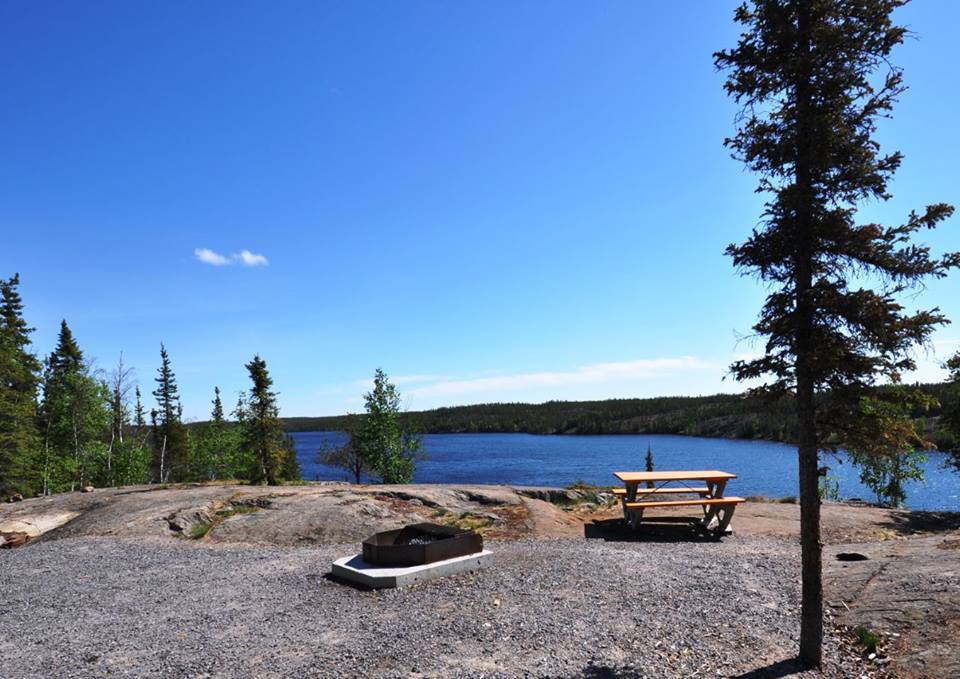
[289,515]
[909,592]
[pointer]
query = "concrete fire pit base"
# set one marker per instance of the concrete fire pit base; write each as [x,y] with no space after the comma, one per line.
[355,569]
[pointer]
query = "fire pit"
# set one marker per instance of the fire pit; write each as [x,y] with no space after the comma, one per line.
[420,543]
[422,551]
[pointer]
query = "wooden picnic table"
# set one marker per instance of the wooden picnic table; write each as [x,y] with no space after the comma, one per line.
[635,497]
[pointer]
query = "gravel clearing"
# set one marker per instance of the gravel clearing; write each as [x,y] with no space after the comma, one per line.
[102,606]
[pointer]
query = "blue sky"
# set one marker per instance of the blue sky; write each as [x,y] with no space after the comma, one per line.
[492,201]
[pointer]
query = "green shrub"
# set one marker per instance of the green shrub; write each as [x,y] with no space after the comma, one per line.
[237,509]
[868,638]
[199,530]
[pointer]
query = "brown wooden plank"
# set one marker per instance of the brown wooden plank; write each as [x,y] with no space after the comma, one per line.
[692,475]
[686,503]
[661,491]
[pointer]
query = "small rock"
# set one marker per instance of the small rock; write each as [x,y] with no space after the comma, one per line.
[86,489]
[16,497]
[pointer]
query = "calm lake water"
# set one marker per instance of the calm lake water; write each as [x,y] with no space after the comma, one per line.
[762,468]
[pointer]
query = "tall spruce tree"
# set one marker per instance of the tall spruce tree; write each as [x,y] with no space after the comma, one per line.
[216,415]
[19,379]
[806,74]
[263,435]
[74,418]
[209,450]
[170,441]
[139,417]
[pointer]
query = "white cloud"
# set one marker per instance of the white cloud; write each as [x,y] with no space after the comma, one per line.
[593,374]
[208,256]
[400,380]
[245,257]
[250,259]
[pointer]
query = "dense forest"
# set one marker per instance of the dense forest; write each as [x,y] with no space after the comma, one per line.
[720,415]
[65,425]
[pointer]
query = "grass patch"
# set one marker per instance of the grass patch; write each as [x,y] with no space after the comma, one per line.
[237,509]
[464,521]
[590,493]
[200,530]
[789,500]
[868,638]
[468,521]
[583,486]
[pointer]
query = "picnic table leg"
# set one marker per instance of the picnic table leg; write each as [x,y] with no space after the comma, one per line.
[631,516]
[704,496]
[725,514]
[709,514]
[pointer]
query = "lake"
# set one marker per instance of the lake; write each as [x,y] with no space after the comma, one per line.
[762,468]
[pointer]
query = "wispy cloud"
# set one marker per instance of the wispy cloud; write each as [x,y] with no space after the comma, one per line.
[244,257]
[401,380]
[210,257]
[593,374]
[248,258]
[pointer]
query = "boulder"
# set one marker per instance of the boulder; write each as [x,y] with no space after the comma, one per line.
[13,539]
[184,521]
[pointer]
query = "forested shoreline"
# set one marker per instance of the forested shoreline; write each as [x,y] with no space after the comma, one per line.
[735,416]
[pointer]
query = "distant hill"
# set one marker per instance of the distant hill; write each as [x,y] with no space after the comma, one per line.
[720,415]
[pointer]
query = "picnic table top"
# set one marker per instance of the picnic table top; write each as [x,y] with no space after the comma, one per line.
[685,475]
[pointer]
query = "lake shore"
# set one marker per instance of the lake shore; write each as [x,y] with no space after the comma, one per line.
[248,593]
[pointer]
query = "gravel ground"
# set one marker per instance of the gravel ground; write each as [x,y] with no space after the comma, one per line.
[83,607]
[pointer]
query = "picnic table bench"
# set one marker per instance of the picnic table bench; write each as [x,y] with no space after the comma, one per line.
[710,498]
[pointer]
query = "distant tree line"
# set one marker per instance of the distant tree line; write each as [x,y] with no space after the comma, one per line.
[719,416]
[65,425]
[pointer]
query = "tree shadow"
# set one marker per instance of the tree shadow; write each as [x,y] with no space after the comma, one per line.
[658,529]
[607,672]
[777,670]
[907,522]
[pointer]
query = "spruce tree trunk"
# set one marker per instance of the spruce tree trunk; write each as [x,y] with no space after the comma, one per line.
[76,455]
[163,452]
[811,614]
[46,464]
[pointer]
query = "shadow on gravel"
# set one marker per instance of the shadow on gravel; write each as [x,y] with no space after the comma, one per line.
[783,668]
[660,529]
[922,522]
[330,577]
[605,672]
